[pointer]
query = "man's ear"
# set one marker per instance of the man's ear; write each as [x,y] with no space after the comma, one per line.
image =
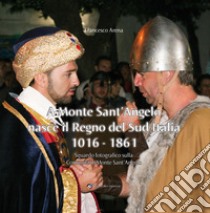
[41,80]
[168,76]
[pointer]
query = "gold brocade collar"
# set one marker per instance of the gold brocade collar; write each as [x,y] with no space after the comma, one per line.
[42,121]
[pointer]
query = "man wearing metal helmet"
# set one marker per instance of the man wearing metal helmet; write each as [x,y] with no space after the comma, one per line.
[172,175]
[35,173]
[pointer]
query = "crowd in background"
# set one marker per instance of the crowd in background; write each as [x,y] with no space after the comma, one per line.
[118,78]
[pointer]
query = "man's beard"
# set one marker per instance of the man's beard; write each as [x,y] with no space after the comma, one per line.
[56,97]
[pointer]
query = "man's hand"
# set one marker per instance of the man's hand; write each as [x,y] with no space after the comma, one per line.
[126,119]
[89,174]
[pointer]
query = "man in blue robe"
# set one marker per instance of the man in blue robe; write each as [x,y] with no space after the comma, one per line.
[35,172]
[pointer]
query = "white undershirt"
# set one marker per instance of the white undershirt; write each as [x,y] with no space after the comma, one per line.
[39,103]
[35,100]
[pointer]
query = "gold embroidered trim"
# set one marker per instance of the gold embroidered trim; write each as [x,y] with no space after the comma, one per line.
[70,200]
[42,120]
[60,141]
[39,144]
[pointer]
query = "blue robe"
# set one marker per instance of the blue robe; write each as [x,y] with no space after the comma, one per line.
[26,182]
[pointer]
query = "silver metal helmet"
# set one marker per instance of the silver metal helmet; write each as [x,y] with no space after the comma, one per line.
[160,45]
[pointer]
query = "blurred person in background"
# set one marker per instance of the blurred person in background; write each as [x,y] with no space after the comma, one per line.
[203,85]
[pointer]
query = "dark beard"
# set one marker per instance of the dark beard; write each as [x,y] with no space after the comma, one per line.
[56,97]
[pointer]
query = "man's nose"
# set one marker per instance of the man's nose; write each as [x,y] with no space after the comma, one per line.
[138,80]
[76,81]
